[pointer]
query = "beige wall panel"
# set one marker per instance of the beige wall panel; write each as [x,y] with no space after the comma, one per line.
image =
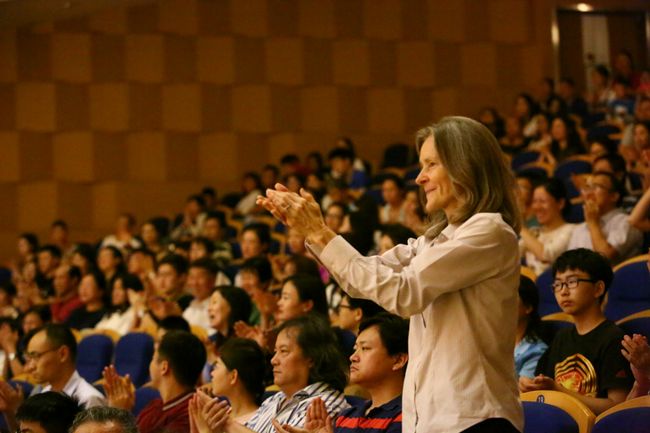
[178,16]
[249,17]
[251,106]
[447,64]
[447,20]
[516,14]
[531,68]
[285,108]
[383,63]
[418,107]
[182,157]
[110,151]
[145,106]
[478,64]
[282,17]
[353,110]
[475,98]
[385,110]
[73,157]
[146,157]
[143,18]
[72,107]
[284,61]
[75,203]
[250,64]
[349,18]
[415,23]
[7,106]
[10,157]
[509,67]
[182,107]
[316,18]
[180,58]
[71,57]
[109,107]
[218,156]
[8,69]
[37,204]
[107,59]
[319,109]
[215,60]
[351,62]
[317,56]
[8,238]
[415,64]
[445,102]
[35,156]
[282,144]
[104,206]
[216,102]
[252,152]
[33,55]
[144,58]
[214,17]
[35,106]
[109,21]
[382,19]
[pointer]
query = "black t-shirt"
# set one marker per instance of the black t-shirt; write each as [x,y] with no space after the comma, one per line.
[589,364]
[82,319]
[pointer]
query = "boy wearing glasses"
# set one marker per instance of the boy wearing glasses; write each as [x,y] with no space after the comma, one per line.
[584,361]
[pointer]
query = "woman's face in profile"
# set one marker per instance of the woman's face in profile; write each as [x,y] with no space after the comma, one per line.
[434,180]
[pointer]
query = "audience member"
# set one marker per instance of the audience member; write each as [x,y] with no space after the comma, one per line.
[606,228]
[341,162]
[48,412]
[529,344]
[353,311]
[394,234]
[152,238]
[201,283]
[584,360]
[104,420]
[175,369]
[124,237]
[637,351]
[251,187]
[540,246]
[49,258]
[120,317]
[110,262]
[392,192]
[93,296]
[190,222]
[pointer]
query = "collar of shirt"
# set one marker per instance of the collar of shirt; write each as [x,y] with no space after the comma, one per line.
[177,400]
[306,392]
[70,385]
[391,405]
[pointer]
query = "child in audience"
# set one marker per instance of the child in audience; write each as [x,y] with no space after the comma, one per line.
[530,346]
[584,361]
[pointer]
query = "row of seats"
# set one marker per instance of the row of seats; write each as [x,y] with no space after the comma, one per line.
[628,294]
[557,412]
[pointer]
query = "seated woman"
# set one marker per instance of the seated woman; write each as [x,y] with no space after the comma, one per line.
[307,364]
[541,246]
[394,234]
[121,315]
[566,142]
[238,375]
[92,294]
[228,305]
[393,192]
[529,345]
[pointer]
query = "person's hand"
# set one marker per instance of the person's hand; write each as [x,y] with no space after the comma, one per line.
[119,390]
[637,351]
[10,398]
[197,422]
[591,211]
[538,383]
[243,330]
[286,428]
[265,302]
[317,419]
[215,412]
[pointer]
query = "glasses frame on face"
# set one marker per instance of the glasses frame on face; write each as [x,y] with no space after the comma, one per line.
[35,356]
[591,187]
[571,283]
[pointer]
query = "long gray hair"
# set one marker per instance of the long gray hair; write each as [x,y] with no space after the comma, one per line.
[480,176]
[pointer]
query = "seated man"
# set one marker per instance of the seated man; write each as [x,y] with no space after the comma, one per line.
[200,281]
[353,311]
[66,300]
[175,370]
[606,228]
[49,412]
[50,359]
[584,361]
[104,420]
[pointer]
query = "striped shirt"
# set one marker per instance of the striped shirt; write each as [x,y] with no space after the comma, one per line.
[386,418]
[292,411]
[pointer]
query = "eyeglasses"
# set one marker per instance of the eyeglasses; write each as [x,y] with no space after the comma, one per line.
[592,186]
[35,356]
[571,283]
[338,308]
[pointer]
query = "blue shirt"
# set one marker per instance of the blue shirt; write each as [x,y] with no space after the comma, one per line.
[527,354]
[385,418]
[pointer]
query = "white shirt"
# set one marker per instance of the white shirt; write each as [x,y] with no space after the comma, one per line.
[197,314]
[555,243]
[624,238]
[118,321]
[77,387]
[460,292]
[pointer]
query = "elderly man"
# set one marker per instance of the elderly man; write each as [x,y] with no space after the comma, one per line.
[104,420]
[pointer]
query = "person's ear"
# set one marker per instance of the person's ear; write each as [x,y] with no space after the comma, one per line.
[164,367]
[399,361]
[63,353]
[307,306]
[358,314]
[233,377]
[600,288]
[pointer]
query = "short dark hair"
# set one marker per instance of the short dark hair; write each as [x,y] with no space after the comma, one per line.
[52,249]
[117,254]
[54,411]
[206,264]
[196,198]
[617,187]
[246,356]
[130,281]
[174,323]
[398,181]
[340,152]
[74,273]
[393,331]
[106,414]
[589,261]
[60,335]
[31,239]
[217,215]
[207,244]
[59,223]
[319,343]
[208,190]
[398,233]
[310,288]
[529,295]
[185,354]
[615,160]
[261,266]
[176,261]
[239,301]
[290,158]
[262,231]
[42,311]
[368,308]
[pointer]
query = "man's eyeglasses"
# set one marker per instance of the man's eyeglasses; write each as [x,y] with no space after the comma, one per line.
[593,186]
[570,283]
[35,356]
[338,308]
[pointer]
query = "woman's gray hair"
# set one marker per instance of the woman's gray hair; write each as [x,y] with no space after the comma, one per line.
[481,178]
[106,414]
